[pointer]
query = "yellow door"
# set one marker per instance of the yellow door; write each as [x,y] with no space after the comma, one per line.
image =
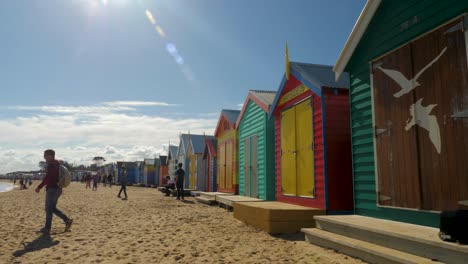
[304,147]
[288,152]
[192,171]
[229,162]
[221,166]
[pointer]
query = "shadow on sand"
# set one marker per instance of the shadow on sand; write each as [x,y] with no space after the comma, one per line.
[298,236]
[41,242]
[188,202]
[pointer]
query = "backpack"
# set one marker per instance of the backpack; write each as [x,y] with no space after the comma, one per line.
[453,226]
[64,177]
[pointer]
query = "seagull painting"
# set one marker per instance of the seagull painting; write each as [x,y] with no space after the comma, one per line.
[405,84]
[420,115]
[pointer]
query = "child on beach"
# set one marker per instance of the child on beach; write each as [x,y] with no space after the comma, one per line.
[169,186]
[180,174]
[109,180]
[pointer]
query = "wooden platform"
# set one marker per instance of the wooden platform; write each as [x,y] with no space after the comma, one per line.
[383,241]
[195,193]
[209,197]
[276,217]
[227,201]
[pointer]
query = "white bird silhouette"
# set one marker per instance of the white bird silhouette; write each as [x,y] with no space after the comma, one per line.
[420,115]
[408,85]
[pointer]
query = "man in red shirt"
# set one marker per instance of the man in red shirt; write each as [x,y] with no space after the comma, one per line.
[53,192]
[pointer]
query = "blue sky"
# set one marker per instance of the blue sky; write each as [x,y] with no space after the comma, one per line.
[122,78]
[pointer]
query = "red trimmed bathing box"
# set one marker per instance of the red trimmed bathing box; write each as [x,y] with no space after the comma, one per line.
[312,139]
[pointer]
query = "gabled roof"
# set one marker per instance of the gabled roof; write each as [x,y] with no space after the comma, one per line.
[314,76]
[355,37]
[198,143]
[230,115]
[172,152]
[210,146]
[264,99]
[183,143]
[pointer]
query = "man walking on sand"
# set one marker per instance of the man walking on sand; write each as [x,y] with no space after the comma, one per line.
[53,192]
[180,173]
[123,183]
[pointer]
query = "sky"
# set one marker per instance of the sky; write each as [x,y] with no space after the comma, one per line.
[122,79]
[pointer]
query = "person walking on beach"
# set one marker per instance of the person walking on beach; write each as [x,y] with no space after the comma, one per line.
[180,174]
[95,181]
[88,180]
[109,180]
[53,192]
[123,183]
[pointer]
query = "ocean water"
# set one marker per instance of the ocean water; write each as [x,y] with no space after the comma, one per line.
[6,186]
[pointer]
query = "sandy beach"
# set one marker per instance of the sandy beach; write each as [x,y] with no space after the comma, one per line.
[146,228]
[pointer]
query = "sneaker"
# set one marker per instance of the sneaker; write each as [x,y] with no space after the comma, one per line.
[118,196]
[68,225]
[125,198]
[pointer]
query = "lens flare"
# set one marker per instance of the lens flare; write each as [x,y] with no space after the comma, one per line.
[150,17]
[171,49]
[160,32]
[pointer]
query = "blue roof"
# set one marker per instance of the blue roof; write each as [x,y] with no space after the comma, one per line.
[315,77]
[198,143]
[231,114]
[173,152]
[183,143]
[320,75]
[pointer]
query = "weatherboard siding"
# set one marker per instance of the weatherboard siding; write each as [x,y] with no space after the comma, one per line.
[394,24]
[254,122]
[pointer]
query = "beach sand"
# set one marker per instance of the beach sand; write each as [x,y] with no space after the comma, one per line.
[146,228]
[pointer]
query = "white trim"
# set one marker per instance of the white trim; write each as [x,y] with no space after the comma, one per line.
[355,37]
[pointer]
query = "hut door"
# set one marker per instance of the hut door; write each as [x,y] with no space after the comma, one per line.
[222,166]
[253,166]
[229,164]
[193,171]
[441,116]
[297,160]
[247,166]
[396,149]
[421,127]
[288,151]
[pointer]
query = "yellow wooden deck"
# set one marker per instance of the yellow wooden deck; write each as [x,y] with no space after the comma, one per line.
[229,200]
[276,217]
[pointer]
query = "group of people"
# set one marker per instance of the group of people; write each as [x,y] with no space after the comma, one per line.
[53,191]
[178,183]
[96,178]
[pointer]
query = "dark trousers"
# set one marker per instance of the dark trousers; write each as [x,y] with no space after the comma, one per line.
[52,196]
[124,189]
[180,190]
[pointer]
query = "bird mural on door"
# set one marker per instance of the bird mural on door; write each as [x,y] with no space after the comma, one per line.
[420,115]
[405,84]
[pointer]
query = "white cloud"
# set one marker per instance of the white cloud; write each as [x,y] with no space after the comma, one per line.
[78,136]
[239,106]
[137,103]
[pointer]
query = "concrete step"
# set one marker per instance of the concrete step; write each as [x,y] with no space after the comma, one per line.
[360,249]
[413,239]
[205,200]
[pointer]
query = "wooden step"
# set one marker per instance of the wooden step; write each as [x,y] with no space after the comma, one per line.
[413,239]
[202,199]
[369,252]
